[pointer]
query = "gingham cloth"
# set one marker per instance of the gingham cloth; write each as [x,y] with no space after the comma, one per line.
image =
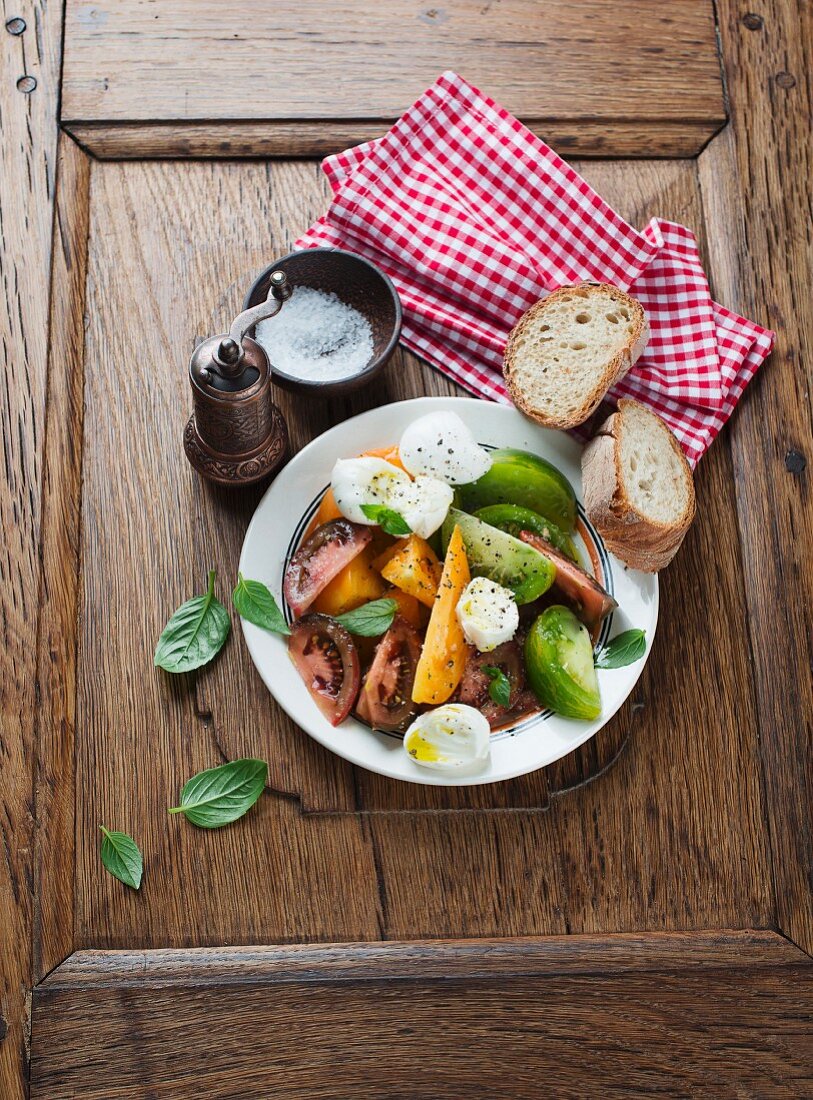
[474,219]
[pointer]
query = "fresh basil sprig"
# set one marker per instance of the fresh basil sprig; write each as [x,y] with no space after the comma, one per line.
[253,601]
[219,796]
[194,634]
[625,649]
[371,619]
[500,687]
[390,521]
[122,857]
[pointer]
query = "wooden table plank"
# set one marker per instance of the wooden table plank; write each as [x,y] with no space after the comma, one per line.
[552,956]
[423,1020]
[756,180]
[54,855]
[30,42]
[164,78]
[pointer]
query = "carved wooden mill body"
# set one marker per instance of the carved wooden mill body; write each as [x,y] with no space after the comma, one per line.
[236,435]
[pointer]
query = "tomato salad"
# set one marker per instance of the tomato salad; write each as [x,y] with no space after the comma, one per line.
[439,594]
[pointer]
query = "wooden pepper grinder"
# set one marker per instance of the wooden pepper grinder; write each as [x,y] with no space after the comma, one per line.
[236,435]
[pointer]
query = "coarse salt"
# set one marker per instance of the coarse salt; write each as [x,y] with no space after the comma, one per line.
[316,337]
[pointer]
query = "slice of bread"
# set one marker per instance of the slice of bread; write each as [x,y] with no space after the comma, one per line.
[564,353]
[638,487]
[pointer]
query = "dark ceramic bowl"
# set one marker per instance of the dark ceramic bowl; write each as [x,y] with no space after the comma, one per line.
[359,284]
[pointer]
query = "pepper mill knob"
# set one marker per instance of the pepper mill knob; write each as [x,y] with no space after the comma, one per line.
[236,434]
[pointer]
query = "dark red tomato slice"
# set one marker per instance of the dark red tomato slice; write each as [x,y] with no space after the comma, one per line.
[385,700]
[583,592]
[327,660]
[320,558]
[475,683]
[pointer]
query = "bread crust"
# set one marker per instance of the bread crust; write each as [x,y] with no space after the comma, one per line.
[617,367]
[638,541]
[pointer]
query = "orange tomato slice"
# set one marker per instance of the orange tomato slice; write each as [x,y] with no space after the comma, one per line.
[413,567]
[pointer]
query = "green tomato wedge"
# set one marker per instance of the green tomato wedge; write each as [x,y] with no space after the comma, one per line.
[513,518]
[559,665]
[519,477]
[500,557]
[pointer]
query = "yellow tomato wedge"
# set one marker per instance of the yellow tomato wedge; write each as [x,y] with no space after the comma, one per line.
[357,583]
[408,607]
[413,567]
[443,657]
[386,556]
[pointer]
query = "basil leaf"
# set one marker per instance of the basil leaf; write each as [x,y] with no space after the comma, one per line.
[194,634]
[500,687]
[391,522]
[371,619]
[254,603]
[220,795]
[625,649]
[122,858]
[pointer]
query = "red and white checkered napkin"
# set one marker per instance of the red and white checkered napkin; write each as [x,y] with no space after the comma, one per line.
[474,219]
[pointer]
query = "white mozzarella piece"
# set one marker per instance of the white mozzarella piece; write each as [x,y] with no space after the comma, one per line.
[423,503]
[440,444]
[487,613]
[428,506]
[452,738]
[369,480]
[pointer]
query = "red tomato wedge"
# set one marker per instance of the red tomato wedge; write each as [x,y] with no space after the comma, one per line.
[327,660]
[320,558]
[385,701]
[474,687]
[588,599]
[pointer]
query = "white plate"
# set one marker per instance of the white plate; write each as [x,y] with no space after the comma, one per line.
[286,509]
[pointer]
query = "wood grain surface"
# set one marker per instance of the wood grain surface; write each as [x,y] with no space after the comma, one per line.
[716,1015]
[673,836]
[55,782]
[700,818]
[756,184]
[311,77]
[722,949]
[29,75]
[216,139]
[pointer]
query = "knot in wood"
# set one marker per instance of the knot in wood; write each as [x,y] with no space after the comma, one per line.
[785,80]
[16,25]
[795,461]
[26,84]
[752,21]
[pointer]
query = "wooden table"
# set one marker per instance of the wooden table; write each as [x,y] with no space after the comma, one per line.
[635,919]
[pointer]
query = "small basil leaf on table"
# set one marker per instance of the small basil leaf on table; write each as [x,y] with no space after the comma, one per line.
[220,795]
[194,634]
[122,857]
[371,619]
[390,521]
[253,602]
[500,687]
[625,649]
